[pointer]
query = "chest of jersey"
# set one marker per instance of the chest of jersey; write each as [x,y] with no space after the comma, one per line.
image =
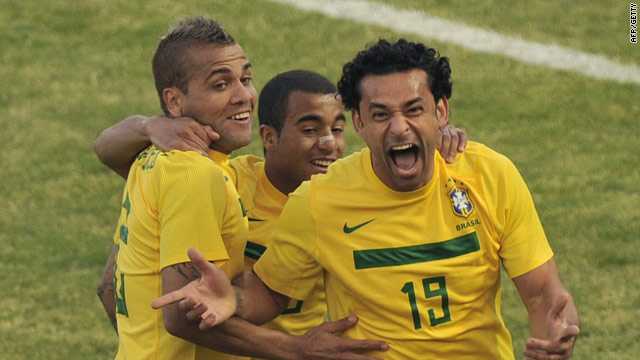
[420,266]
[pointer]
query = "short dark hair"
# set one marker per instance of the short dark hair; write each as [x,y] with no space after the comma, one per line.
[386,58]
[274,97]
[172,62]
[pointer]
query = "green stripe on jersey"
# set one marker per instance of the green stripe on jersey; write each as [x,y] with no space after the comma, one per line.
[365,259]
[254,250]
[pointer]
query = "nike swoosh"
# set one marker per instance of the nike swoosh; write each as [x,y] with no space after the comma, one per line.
[257,220]
[349,230]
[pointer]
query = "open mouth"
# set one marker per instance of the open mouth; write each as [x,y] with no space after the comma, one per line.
[241,116]
[322,162]
[404,156]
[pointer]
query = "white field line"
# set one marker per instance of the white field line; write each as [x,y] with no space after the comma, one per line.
[473,38]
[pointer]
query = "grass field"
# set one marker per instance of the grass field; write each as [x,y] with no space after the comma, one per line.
[72,68]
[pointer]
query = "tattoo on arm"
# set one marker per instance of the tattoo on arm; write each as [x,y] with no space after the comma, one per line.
[187,270]
[239,301]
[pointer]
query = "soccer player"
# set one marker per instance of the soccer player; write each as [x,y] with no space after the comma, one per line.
[175,200]
[301,127]
[410,244]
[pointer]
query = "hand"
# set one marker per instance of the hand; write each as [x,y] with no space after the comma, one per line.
[182,133]
[321,343]
[210,297]
[450,141]
[562,336]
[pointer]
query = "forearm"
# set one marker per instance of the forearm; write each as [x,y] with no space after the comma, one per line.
[257,303]
[118,145]
[107,297]
[539,312]
[106,291]
[239,337]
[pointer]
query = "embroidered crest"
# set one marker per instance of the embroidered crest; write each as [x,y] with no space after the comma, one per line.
[461,202]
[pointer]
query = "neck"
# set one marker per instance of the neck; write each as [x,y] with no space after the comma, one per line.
[277,180]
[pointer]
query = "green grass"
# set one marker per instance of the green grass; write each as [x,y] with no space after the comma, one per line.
[70,69]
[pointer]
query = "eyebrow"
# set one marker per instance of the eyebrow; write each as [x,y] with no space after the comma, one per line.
[316,118]
[385,107]
[225,70]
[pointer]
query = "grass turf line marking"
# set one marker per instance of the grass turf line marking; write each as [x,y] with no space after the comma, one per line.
[472,38]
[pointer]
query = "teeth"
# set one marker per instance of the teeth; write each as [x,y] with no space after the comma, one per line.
[401,147]
[324,163]
[241,116]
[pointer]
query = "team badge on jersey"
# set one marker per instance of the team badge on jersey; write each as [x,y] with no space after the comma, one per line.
[461,202]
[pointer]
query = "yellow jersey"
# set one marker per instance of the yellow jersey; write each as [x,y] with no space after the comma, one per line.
[172,201]
[420,269]
[264,203]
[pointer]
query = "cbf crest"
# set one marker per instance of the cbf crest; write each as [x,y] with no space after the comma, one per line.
[461,202]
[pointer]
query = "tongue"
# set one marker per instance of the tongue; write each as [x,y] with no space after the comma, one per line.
[405,160]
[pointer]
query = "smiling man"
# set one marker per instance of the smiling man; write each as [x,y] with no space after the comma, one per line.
[383,229]
[173,200]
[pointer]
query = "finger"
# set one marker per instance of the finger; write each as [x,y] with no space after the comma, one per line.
[199,261]
[168,299]
[453,147]
[445,146]
[570,333]
[195,145]
[188,303]
[208,321]
[559,304]
[195,313]
[213,136]
[340,325]
[462,144]
[359,345]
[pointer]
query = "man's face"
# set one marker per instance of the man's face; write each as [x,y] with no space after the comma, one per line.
[221,94]
[311,138]
[399,120]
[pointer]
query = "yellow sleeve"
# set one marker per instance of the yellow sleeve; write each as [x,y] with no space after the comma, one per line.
[524,245]
[191,204]
[289,265]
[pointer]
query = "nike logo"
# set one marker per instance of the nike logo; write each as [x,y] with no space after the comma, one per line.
[257,220]
[349,230]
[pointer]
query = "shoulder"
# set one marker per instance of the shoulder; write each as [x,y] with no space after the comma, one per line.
[182,167]
[344,170]
[479,158]
[246,165]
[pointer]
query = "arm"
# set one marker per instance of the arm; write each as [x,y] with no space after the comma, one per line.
[451,140]
[209,294]
[553,316]
[118,145]
[106,291]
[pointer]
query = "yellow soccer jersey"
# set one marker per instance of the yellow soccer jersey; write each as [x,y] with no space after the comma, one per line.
[421,269]
[172,201]
[264,204]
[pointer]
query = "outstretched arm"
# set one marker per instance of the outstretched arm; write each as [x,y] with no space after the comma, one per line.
[210,298]
[553,316]
[118,145]
[451,141]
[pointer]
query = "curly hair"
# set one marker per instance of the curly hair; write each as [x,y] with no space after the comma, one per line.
[385,58]
[172,62]
[274,97]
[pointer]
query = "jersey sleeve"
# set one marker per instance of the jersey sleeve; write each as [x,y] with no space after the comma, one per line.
[524,245]
[289,266]
[191,203]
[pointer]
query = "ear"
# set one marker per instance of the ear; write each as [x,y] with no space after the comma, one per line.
[174,99]
[269,137]
[442,112]
[357,121]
